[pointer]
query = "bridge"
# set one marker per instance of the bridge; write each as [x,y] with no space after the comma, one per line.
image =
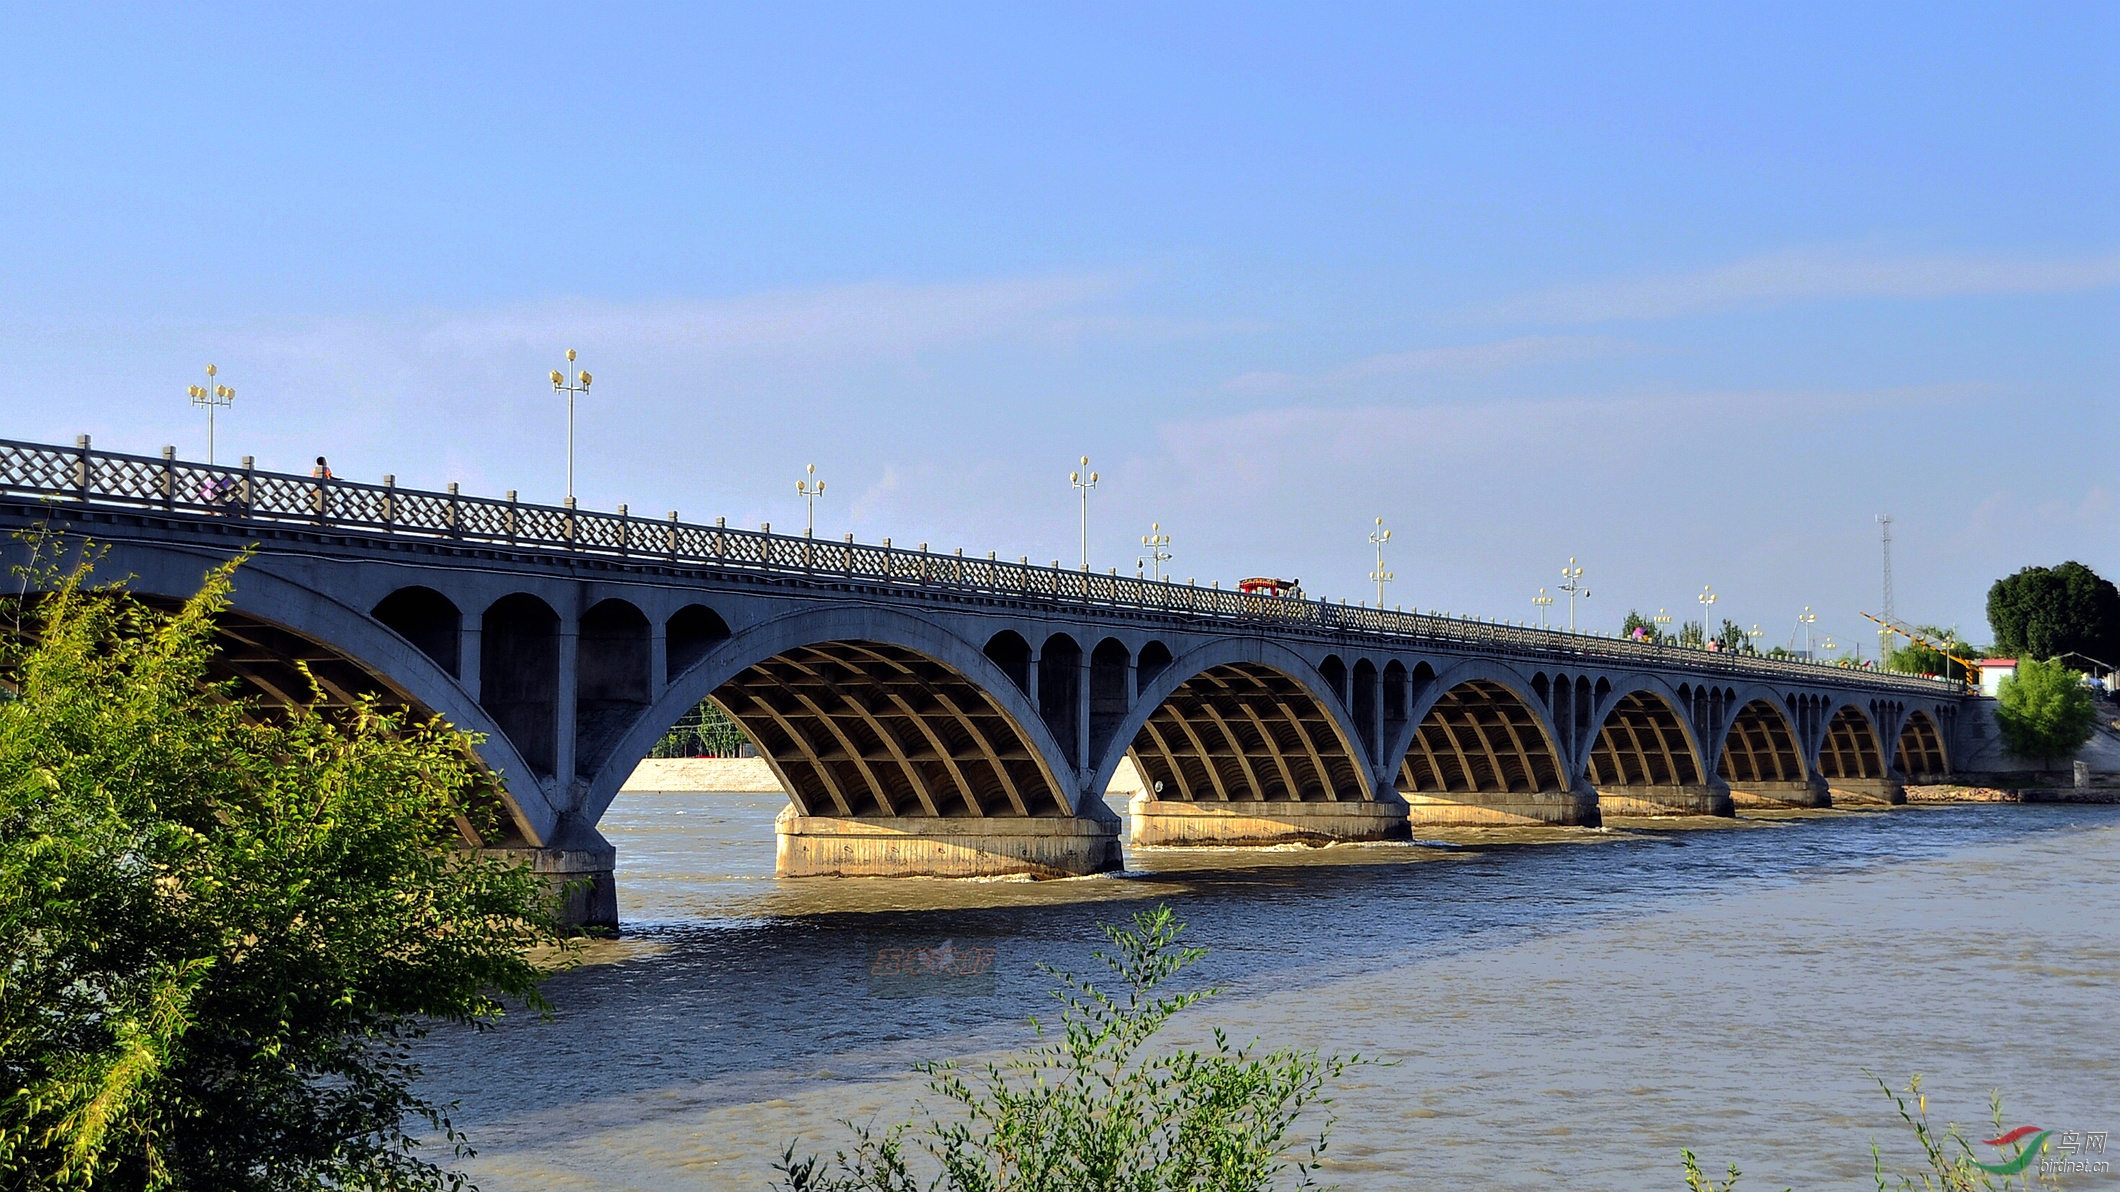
[934,713]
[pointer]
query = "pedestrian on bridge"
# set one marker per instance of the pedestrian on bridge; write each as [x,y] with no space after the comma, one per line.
[322,471]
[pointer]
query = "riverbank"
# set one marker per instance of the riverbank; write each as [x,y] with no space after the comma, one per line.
[2033,794]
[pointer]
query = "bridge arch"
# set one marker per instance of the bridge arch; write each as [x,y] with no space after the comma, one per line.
[1240,720]
[330,634]
[1922,754]
[1477,729]
[1760,745]
[867,712]
[1851,757]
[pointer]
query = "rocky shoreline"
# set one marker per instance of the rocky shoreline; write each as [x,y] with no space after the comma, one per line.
[1991,794]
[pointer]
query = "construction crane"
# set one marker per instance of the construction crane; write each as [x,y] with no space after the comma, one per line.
[1893,624]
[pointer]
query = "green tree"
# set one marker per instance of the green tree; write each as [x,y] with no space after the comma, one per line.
[1634,621]
[1094,1110]
[221,921]
[2045,612]
[1914,658]
[2046,712]
[1731,638]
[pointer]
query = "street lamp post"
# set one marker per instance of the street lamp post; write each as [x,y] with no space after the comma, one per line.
[1155,540]
[579,383]
[1574,587]
[1807,620]
[1707,605]
[1543,602]
[1084,481]
[1377,538]
[1662,618]
[213,397]
[809,488]
[1755,634]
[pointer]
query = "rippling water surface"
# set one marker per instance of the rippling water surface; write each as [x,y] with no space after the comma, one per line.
[1564,1009]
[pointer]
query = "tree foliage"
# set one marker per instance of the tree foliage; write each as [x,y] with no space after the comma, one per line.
[2046,712]
[1094,1111]
[220,921]
[1914,658]
[2045,612]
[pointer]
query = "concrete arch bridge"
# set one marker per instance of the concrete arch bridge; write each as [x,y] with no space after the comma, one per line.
[934,713]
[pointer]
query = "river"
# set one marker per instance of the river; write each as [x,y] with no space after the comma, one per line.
[1561,1008]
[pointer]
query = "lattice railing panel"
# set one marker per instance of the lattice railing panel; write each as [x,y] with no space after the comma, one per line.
[99,477]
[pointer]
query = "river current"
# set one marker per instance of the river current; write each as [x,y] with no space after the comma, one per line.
[1559,1008]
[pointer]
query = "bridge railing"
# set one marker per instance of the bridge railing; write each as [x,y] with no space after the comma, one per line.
[81,474]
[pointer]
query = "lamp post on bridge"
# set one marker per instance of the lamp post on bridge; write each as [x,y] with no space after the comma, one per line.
[809,488]
[1084,481]
[561,383]
[1377,538]
[1543,602]
[1755,635]
[1707,605]
[1574,587]
[1662,618]
[1807,620]
[1155,540]
[213,397]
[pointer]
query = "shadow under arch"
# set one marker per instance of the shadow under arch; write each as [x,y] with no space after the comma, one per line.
[272,622]
[868,713]
[1479,749]
[1851,759]
[1761,759]
[1646,758]
[1922,755]
[1240,720]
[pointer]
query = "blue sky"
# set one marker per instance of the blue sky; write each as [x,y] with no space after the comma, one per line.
[1690,293]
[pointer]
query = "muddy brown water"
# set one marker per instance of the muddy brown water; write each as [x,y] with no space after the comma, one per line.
[1561,1008]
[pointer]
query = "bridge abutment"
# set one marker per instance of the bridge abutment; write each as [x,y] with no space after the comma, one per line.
[932,846]
[1263,822]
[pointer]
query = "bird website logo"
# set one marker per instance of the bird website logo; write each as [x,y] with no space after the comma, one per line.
[2056,1152]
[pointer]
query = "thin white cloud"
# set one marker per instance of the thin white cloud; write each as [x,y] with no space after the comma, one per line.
[1781,278]
[863,319]
[1461,360]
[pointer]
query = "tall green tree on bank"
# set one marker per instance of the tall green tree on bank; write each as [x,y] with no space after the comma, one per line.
[2045,612]
[2046,712]
[220,922]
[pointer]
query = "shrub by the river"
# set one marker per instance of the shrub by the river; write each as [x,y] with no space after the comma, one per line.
[1948,1161]
[1095,1109]
[220,920]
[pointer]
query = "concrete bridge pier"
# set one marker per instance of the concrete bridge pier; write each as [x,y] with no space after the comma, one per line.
[939,846]
[1873,792]
[1804,793]
[1710,798]
[1577,807]
[1263,821]
[578,865]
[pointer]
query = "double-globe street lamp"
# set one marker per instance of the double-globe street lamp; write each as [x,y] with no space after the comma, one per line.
[578,384]
[1084,481]
[213,397]
[1377,538]
[1155,540]
[1574,587]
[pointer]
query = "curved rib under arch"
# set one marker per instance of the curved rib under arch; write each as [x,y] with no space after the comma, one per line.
[1920,754]
[1642,743]
[1850,747]
[1760,747]
[1479,737]
[868,729]
[1245,732]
